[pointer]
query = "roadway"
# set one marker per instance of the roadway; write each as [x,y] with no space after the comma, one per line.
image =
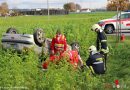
[125,32]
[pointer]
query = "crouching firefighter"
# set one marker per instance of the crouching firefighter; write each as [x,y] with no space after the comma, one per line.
[95,61]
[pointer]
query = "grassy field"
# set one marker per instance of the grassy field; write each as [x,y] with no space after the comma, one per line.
[22,72]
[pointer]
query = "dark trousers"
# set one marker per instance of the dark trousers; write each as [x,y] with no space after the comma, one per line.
[98,68]
[105,60]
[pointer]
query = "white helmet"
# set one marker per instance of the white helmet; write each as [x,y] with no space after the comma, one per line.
[95,26]
[92,49]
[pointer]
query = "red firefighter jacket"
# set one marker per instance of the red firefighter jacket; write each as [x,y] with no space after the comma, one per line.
[74,57]
[59,44]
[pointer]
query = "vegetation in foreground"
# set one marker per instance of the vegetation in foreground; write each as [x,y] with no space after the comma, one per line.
[23,72]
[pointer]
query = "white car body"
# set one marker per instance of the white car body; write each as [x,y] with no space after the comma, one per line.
[114,22]
[19,42]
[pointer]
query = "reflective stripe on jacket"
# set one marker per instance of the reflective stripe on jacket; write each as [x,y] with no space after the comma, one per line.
[59,46]
[58,43]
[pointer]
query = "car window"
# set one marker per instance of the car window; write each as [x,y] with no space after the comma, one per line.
[128,15]
[125,16]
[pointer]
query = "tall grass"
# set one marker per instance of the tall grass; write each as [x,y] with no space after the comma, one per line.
[23,70]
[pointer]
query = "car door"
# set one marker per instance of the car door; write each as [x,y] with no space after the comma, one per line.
[125,21]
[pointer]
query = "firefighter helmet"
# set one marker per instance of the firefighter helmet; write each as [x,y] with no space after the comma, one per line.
[92,49]
[95,26]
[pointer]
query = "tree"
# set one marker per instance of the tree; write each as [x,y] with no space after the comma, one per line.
[71,7]
[4,9]
[120,4]
[67,6]
[129,6]
[78,7]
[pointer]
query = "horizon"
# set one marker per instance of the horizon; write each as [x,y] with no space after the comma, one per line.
[33,4]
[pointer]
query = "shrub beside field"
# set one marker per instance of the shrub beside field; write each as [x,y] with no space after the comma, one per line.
[23,70]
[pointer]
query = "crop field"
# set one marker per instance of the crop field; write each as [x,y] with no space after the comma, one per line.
[22,72]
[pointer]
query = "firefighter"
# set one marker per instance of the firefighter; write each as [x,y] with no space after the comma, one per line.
[101,42]
[95,61]
[58,44]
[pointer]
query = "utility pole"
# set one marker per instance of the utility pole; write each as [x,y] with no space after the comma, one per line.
[48,9]
[120,20]
[118,23]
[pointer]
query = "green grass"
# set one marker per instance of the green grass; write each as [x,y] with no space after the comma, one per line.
[22,70]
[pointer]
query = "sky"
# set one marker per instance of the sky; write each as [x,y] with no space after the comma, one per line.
[29,4]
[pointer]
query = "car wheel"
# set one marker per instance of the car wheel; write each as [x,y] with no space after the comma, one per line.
[75,46]
[11,31]
[39,37]
[109,29]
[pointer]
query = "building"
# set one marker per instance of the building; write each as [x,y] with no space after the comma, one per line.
[86,10]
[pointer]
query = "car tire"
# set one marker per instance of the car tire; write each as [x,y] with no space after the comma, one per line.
[12,31]
[109,29]
[39,37]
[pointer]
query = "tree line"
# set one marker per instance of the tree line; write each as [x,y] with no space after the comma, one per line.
[112,5]
[122,5]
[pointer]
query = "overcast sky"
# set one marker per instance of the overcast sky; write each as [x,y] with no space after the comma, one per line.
[53,3]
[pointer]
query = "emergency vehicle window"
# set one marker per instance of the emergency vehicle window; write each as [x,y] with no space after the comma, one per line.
[129,15]
[124,16]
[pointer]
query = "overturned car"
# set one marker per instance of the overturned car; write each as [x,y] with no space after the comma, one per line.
[36,41]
